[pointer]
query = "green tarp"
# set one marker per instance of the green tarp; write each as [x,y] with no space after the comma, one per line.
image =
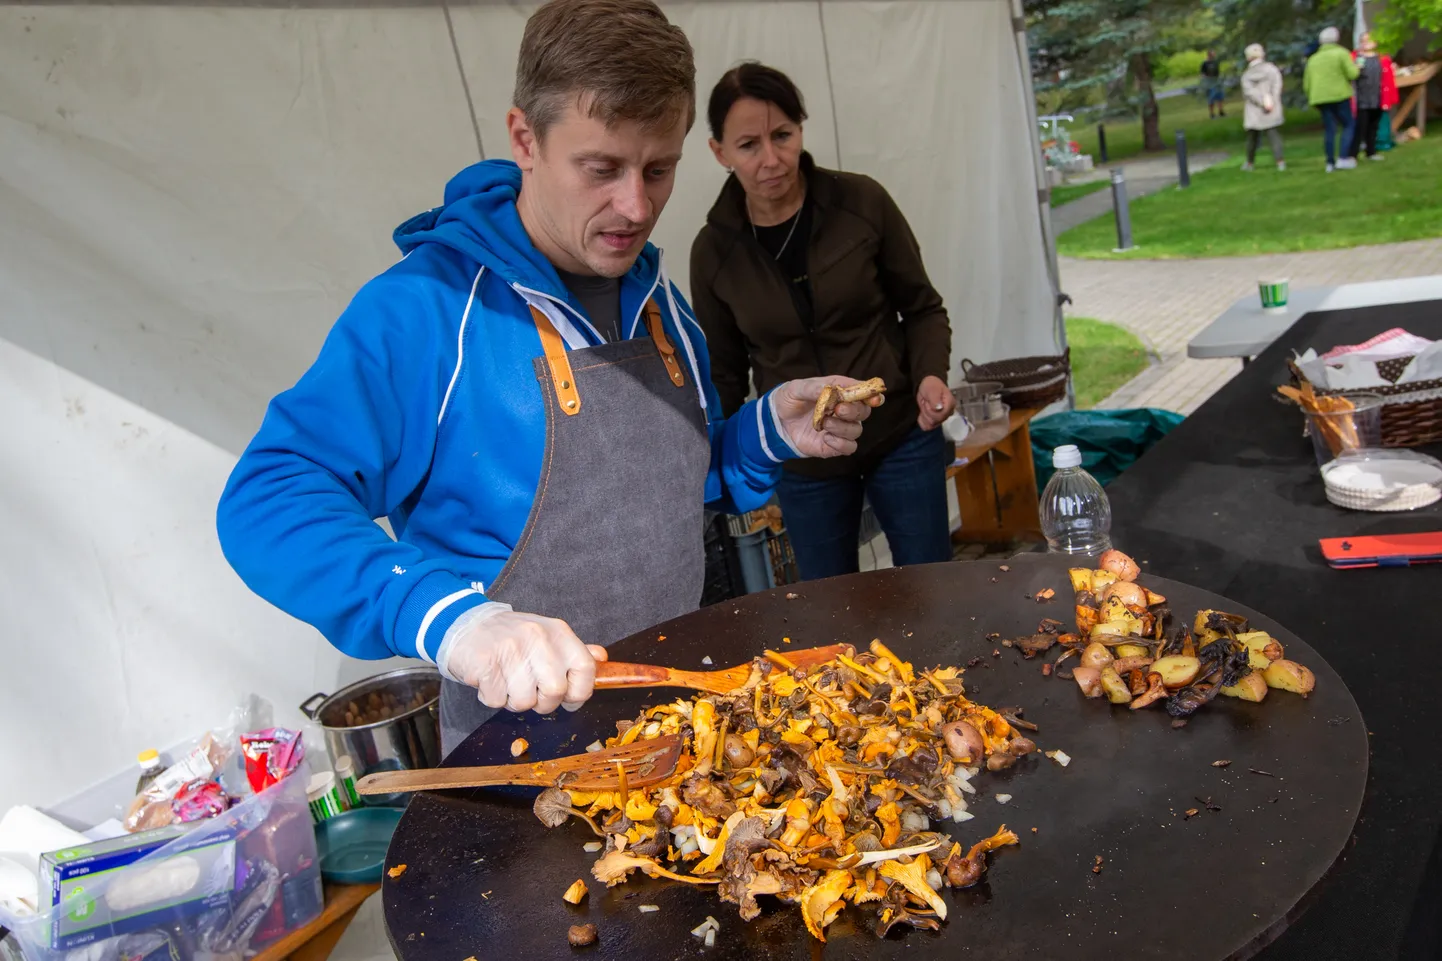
[1110,440]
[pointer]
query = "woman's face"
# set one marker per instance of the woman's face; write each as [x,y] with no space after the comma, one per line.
[763,146]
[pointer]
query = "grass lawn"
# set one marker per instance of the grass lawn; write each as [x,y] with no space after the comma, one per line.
[1189,113]
[1228,212]
[1066,193]
[1103,358]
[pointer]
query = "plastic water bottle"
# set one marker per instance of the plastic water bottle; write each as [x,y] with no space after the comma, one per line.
[1076,516]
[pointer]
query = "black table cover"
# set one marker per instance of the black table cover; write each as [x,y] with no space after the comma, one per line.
[1231,501]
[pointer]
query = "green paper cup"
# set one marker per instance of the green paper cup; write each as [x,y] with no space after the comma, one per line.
[1274,295]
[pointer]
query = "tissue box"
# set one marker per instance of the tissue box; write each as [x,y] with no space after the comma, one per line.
[108,888]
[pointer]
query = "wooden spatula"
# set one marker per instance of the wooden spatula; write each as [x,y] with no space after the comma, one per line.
[645,763]
[618,674]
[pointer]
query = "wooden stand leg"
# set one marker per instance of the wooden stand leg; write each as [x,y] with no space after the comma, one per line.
[996,491]
[1016,485]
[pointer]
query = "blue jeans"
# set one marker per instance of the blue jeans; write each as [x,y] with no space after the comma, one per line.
[1337,118]
[907,491]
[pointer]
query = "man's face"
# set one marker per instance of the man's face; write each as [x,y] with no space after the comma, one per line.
[591,195]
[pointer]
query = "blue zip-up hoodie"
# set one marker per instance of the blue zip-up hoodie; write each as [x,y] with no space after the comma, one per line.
[423,407]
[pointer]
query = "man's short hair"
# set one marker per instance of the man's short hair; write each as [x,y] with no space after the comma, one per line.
[1329,35]
[615,59]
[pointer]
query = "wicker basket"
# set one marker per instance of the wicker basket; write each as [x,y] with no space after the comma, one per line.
[1411,413]
[1030,382]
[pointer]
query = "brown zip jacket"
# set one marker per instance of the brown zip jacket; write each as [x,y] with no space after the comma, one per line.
[875,313]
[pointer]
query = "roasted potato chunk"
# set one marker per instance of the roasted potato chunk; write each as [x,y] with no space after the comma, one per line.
[1262,649]
[1119,564]
[1089,679]
[1177,670]
[1117,690]
[1250,688]
[1096,656]
[1289,676]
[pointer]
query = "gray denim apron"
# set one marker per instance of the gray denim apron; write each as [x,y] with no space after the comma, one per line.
[614,541]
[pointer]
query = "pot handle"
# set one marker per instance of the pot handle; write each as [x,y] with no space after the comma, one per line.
[309,705]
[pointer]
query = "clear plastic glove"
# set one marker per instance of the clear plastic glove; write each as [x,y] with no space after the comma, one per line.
[795,403]
[519,662]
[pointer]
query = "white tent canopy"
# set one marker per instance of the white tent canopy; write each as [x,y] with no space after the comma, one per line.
[189,195]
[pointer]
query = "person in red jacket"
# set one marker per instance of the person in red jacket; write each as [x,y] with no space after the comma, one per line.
[1376,93]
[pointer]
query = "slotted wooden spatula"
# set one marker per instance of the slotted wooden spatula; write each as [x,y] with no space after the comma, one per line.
[619,674]
[645,763]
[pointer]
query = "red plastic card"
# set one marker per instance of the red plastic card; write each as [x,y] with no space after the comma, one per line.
[1383,550]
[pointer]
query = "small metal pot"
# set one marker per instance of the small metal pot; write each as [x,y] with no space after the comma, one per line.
[980,401]
[408,740]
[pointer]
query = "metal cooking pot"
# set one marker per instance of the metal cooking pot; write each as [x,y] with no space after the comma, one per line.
[408,740]
[980,401]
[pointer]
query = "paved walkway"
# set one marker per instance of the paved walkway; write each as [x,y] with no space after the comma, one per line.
[1165,303]
[1143,177]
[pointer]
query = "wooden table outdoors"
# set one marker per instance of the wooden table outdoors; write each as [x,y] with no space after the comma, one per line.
[1417,80]
[996,486]
[316,940]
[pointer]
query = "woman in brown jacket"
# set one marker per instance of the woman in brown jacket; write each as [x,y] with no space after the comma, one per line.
[802,271]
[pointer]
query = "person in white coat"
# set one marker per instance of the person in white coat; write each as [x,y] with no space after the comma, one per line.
[1262,105]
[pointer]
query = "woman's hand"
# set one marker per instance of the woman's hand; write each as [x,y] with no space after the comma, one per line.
[1267,104]
[796,403]
[936,402]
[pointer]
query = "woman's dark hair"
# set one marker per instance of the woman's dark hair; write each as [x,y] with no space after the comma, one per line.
[759,82]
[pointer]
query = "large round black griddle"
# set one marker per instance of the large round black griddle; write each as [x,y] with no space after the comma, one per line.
[484,879]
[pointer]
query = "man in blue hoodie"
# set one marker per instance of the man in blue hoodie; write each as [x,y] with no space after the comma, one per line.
[526,398]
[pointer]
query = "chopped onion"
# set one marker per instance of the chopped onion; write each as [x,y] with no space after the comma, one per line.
[933,878]
[1060,757]
[943,809]
[594,746]
[707,660]
[966,786]
[711,938]
[648,908]
[687,847]
[1003,798]
[914,821]
[591,847]
[699,931]
[652,729]
[961,816]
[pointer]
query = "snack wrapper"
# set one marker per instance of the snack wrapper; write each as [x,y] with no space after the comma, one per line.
[270,755]
[198,800]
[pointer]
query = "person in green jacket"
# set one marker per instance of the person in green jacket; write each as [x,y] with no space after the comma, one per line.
[1328,84]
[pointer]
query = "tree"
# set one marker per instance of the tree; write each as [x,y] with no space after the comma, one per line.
[1400,20]
[1081,46]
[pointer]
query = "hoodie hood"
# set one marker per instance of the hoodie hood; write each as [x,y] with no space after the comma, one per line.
[479,219]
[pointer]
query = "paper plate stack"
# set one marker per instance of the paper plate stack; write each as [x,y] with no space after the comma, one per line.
[1383,480]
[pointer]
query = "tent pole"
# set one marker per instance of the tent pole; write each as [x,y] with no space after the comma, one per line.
[1023,54]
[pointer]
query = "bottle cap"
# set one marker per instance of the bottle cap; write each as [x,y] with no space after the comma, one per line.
[344,767]
[148,757]
[1064,457]
[320,784]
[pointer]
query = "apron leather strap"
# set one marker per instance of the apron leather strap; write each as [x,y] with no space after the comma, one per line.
[663,343]
[565,381]
[561,376]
